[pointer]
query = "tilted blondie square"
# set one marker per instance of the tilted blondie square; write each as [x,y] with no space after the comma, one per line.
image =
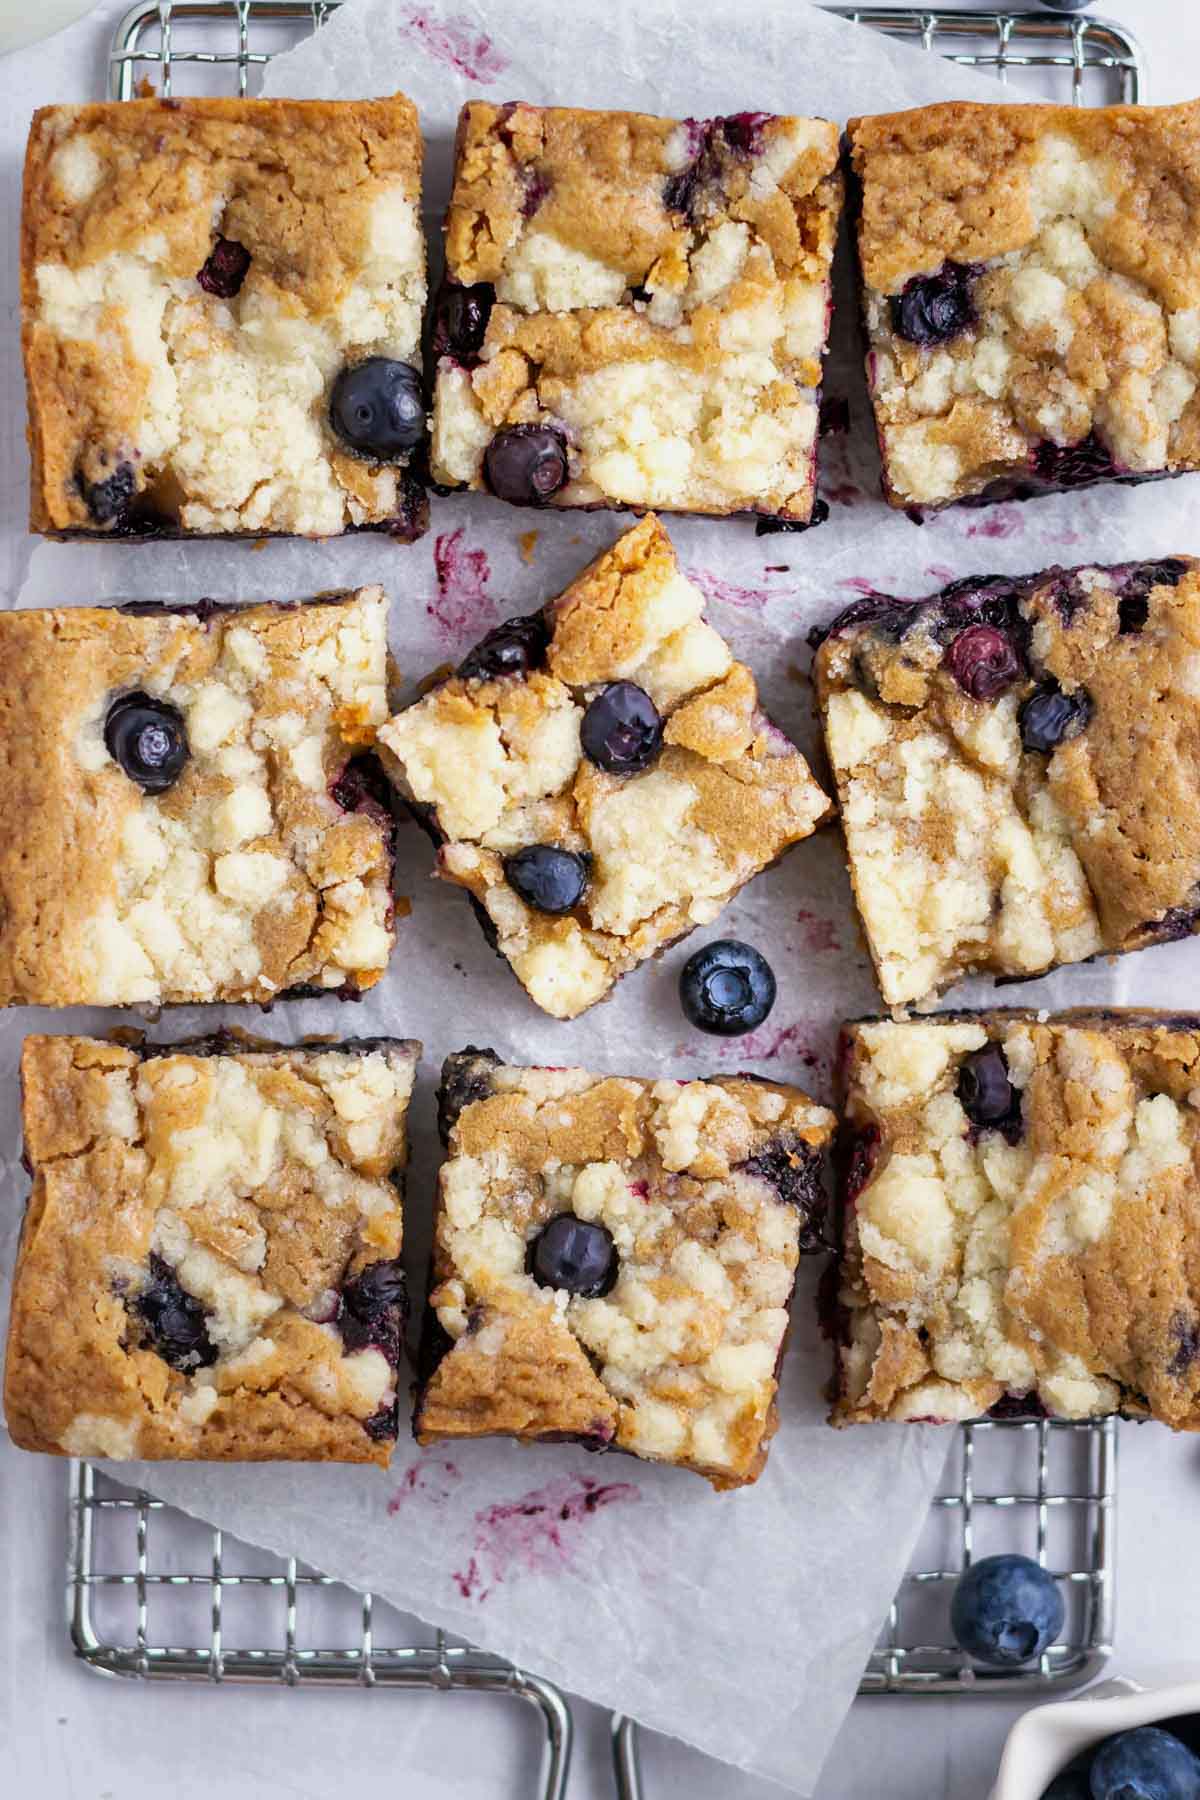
[613,1260]
[209,1266]
[1021,1218]
[191,808]
[222,305]
[1017,762]
[600,777]
[1031,287]
[636,309]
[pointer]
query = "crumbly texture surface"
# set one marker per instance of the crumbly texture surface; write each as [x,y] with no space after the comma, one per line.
[678,1361]
[198,1222]
[661,297]
[205,412]
[1079,229]
[494,765]
[971,852]
[1057,1260]
[244,878]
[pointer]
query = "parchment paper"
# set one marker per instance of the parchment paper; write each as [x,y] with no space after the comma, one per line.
[737,1622]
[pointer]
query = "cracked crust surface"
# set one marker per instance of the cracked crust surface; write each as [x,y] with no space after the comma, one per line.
[968,851]
[662,298]
[678,1361]
[1057,1260]
[261,1181]
[243,879]
[1080,229]
[495,765]
[212,411]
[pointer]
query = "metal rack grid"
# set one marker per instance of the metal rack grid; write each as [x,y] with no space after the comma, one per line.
[914,1654]
[129,1640]
[1092,53]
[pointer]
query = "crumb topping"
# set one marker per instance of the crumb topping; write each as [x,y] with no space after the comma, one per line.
[1056,1260]
[250,1187]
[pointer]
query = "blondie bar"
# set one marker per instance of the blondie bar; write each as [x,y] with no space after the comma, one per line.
[222,305]
[191,807]
[613,1260]
[1021,1218]
[636,309]
[1031,288]
[1017,762]
[600,777]
[210,1261]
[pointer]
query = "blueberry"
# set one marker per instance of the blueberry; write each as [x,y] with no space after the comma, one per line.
[984,1090]
[727,988]
[743,131]
[1186,1332]
[621,731]
[932,309]
[1049,717]
[859,1153]
[513,648]
[546,878]
[980,600]
[890,619]
[377,409]
[1133,607]
[1145,1764]
[1073,465]
[526,464]
[372,1309]
[983,661]
[362,787]
[175,1321]
[147,738]
[1005,1611]
[225,269]
[573,1254]
[793,1169]
[109,500]
[461,319]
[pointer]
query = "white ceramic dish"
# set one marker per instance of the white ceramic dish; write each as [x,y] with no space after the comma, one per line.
[1044,1741]
[25,22]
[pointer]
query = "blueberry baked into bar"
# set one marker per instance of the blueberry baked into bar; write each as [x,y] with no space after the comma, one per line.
[1016,761]
[209,1263]
[613,1260]
[192,810]
[222,305]
[599,777]
[1031,289]
[1021,1218]
[636,309]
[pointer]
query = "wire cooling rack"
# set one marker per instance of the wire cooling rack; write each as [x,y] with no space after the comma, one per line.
[152,1594]
[1096,59]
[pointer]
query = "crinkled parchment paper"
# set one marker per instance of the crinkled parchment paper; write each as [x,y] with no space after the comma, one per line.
[738,1622]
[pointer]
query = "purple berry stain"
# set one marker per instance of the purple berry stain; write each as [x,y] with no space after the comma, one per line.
[540,1533]
[462,575]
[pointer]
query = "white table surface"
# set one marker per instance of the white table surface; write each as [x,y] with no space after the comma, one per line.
[65,1734]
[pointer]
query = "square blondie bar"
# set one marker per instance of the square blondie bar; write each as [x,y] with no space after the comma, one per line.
[1031,290]
[1016,760]
[209,1266]
[600,777]
[613,1260]
[636,309]
[191,807]
[222,304]
[1021,1224]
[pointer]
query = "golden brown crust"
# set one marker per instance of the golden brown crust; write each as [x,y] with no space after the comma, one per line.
[242,879]
[1075,233]
[262,1181]
[970,851]
[498,765]
[291,181]
[678,1361]
[635,259]
[1058,1257]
